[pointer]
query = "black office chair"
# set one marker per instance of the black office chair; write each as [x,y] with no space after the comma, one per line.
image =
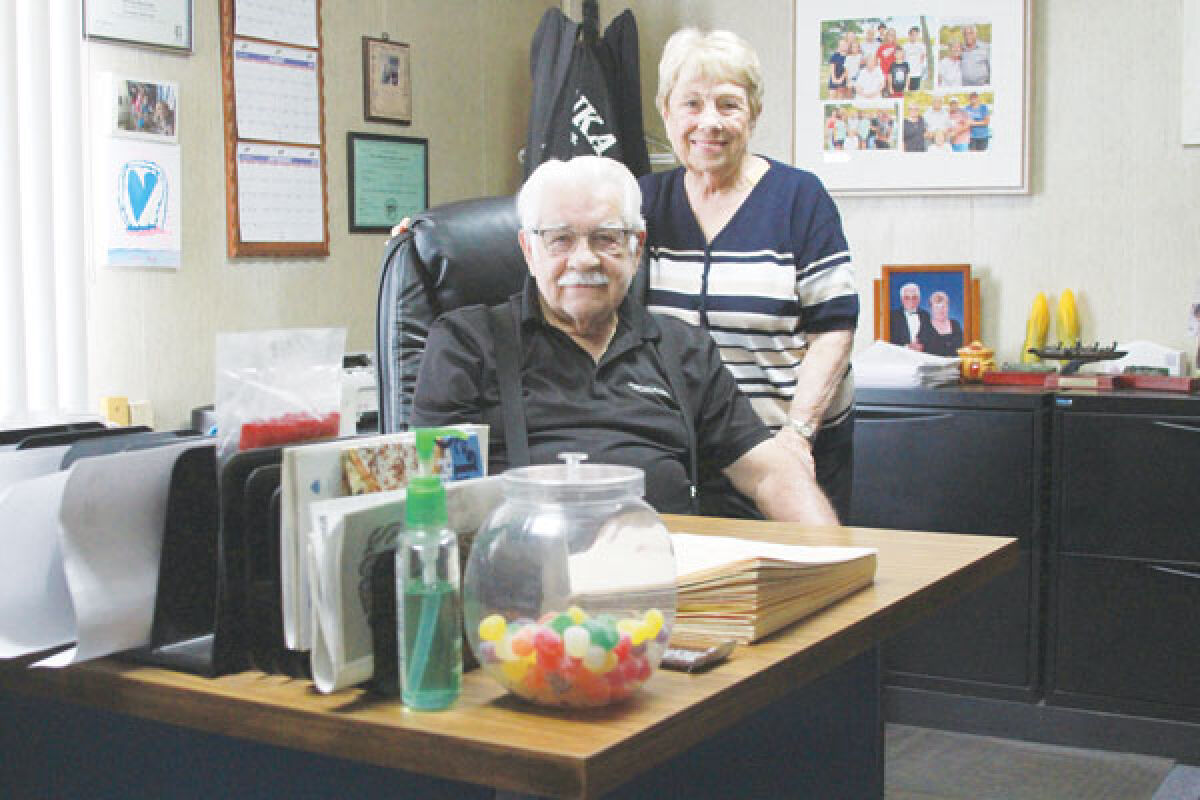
[453,255]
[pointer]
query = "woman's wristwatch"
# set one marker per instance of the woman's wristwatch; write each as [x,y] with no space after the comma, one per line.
[806,429]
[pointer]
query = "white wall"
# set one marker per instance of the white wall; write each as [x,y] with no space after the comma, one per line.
[152,333]
[1114,211]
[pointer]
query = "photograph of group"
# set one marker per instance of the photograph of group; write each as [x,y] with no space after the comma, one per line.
[911,84]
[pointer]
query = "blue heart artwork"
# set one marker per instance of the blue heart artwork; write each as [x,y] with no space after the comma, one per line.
[142,196]
[139,188]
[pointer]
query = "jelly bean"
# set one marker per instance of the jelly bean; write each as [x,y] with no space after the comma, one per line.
[522,641]
[504,649]
[515,670]
[630,669]
[641,633]
[654,621]
[576,614]
[545,619]
[535,677]
[663,636]
[604,635]
[623,644]
[610,661]
[644,670]
[627,626]
[561,622]
[595,658]
[576,640]
[492,628]
[487,653]
[548,644]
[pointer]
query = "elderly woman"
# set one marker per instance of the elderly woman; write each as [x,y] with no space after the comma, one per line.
[752,250]
[943,336]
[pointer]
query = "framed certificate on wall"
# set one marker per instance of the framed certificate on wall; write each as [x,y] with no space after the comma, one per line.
[165,24]
[389,180]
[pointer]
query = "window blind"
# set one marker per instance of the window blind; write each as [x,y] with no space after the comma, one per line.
[43,331]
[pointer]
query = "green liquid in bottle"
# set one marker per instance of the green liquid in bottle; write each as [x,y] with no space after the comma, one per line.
[431,656]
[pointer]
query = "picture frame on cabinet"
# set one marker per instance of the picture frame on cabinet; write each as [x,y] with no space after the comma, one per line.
[913,96]
[944,307]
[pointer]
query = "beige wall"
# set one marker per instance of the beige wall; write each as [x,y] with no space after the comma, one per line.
[1114,213]
[152,333]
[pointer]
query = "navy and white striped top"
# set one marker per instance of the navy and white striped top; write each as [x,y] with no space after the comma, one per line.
[778,271]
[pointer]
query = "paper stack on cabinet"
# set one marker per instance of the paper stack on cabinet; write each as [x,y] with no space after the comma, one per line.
[889,366]
[743,589]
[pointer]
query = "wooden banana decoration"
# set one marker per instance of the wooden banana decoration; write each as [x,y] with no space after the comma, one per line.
[1035,329]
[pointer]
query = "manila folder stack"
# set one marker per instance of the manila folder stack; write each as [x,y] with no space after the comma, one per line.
[744,590]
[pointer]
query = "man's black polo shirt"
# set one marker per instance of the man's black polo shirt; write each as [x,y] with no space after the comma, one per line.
[619,411]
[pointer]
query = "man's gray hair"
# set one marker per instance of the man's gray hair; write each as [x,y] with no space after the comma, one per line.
[583,173]
[910,285]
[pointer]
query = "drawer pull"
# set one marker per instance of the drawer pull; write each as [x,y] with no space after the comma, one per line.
[871,415]
[1177,426]
[1182,572]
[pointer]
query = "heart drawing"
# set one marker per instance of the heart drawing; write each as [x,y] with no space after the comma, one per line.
[142,196]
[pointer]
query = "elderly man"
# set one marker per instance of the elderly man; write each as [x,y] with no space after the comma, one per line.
[910,324]
[976,59]
[597,372]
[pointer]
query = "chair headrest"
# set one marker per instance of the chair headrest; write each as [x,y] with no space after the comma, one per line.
[469,252]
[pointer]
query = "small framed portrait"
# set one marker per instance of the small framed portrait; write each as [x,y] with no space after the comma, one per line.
[145,109]
[930,308]
[387,82]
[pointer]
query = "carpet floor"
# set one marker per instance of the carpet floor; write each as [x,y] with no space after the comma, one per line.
[924,764]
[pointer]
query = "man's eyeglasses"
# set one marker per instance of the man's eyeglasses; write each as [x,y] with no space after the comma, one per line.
[602,241]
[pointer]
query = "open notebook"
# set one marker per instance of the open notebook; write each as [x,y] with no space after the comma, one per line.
[744,590]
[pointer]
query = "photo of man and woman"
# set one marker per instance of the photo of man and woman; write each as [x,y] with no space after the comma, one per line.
[910,84]
[926,311]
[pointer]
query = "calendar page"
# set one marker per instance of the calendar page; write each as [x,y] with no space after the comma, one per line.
[276,93]
[279,193]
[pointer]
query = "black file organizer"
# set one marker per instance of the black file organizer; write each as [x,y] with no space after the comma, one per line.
[14,436]
[218,607]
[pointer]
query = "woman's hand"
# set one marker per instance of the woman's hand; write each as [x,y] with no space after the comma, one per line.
[401,227]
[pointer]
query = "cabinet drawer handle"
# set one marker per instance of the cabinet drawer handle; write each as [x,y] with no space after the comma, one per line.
[1177,426]
[879,416]
[1172,571]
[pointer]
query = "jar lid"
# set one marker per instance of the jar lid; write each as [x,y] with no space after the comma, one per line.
[575,481]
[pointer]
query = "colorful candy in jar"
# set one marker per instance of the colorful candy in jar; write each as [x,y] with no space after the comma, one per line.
[569,658]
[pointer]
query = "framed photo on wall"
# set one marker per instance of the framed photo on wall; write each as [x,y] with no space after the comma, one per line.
[933,308]
[913,96]
[389,180]
[387,81]
[144,109]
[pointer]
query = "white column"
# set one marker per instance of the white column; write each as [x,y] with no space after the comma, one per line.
[12,317]
[67,132]
[35,99]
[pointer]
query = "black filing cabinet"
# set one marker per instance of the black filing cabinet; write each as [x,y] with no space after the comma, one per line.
[963,460]
[1124,630]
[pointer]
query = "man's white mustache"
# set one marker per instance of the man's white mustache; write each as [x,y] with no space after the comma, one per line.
[575,278]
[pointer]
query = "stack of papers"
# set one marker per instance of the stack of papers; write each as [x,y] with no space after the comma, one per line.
[744,590]
[888,366]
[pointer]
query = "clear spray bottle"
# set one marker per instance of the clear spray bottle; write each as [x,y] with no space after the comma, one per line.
[428,587]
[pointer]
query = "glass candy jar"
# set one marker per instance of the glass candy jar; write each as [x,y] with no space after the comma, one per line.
[569,594]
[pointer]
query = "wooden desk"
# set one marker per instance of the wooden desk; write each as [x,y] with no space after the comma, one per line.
[493,739]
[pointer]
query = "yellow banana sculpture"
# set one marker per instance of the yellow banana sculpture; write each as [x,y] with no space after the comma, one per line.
[1068,319]
[1035,329]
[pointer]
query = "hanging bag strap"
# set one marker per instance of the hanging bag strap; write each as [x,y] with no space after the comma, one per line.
[505,323]
[670,359]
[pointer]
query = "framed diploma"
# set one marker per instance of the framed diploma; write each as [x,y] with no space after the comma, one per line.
[165,24]
[389,180]
[387,84]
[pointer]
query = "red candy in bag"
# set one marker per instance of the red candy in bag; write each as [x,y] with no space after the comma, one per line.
[278,387]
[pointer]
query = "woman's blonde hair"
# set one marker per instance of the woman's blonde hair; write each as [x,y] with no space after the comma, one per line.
[714,56]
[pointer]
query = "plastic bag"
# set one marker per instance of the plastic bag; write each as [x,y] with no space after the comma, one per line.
[278,387]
